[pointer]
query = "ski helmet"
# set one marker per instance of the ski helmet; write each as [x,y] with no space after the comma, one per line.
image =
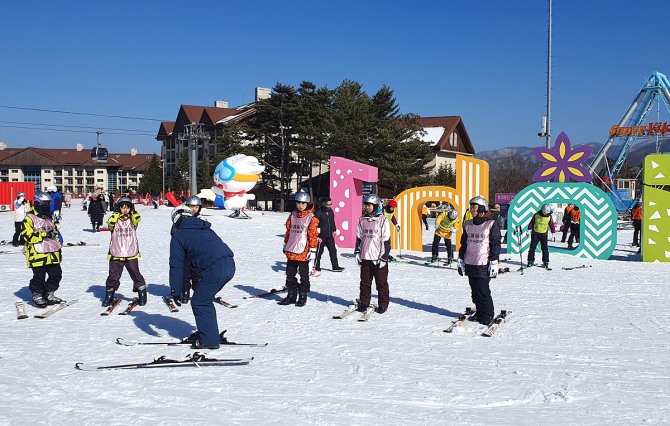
[193,200]
[481,202]
[124,201]
[392,203]
[453,214]
[302,197]
[179,212]
[546,209]
[51,188]
[42,198]
[23,194]
[371,199]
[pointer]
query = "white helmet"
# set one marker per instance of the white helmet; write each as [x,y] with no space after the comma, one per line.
[371,199]
[302,197]
[481,202]
[179,212]
[453,214]
[193,200]
[52,188]
[546,209]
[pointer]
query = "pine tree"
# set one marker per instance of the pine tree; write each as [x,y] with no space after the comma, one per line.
[445,176]
[205,179]
[180,177]
[152,179]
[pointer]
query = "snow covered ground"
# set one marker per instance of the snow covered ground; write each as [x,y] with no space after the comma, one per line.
[583,346]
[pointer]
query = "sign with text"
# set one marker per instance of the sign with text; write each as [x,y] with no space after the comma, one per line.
[504,198]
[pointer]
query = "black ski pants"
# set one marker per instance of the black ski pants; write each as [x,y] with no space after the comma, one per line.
[116,269]
[481,296]
[332,251]
[574,233]
[18,238]
[566,228]
[40,283]
[294,267]
[447,243]
[370,270]
[637,227]
[542,239]
[424,218]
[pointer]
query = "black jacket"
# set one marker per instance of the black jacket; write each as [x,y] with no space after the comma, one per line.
[494,248]
[326,222]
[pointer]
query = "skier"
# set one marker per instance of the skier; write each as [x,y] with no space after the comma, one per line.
[300,243]
[191,275]
[327,232]
[541,223]
[96,211]
[567,214]
[43,251]
[424,215]
[56,203]
[636,217]
[195,242]
[445,228]
[373,245]
[389,212]
[575,216]
[478,257]
[124,251]
[21,208]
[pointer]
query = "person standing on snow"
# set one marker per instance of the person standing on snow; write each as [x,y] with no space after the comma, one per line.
[194,241]
[327,232]
[21,208]
[424,215]
[445,228]
[124,251]
[389,212]
[191,274]
[300,242]
[478,257]
[56,203]
[373,245]
[567,215]
[636,217]
[538,228]
[96,211]
[43,251]
[575,216]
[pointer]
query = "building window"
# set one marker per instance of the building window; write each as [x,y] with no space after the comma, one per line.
[100,180]
[89,172]
[32,174]
[80,173]
[4,172]
[99,172]
[15,170]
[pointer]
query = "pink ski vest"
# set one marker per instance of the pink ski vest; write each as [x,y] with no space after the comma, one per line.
[124,240]
[297,236]
[370,230]
[477,251]
[47,245]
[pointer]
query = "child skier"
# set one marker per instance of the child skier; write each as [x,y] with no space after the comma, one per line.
[445,228]
[300,242]
[191,275]
[373,244]
[478,257]
[21,208]
[43,251]
[539,225]
[124,251]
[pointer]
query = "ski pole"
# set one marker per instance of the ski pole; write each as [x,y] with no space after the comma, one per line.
[399,246]
[520,251]
[316,256]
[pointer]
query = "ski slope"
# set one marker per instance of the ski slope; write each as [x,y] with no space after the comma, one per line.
[583,346]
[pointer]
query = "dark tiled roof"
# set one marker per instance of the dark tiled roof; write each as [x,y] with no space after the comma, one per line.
[450,124]
[70,157]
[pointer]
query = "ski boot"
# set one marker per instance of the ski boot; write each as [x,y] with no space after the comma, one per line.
[381,310]
[302,300]
[545,265]
[52,299]
[529,264]
[338,269]
[142,295]
[38,300]
[192,338]
[362,308]
[109,298]
[290,298]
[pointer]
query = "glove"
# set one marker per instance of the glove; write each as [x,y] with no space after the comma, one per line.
[382,262]
[283,248]
[358,258]
[452,230]
[176,297]
[493,268]
[553,237]
[461,267]
[528,233]
[397,228]
[311,255]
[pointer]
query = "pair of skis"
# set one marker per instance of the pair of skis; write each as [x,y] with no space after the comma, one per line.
[223,341]
[169,302]
[354,308]
[490,330]
[132,305]
[195,360]
[21,309]
[269,293]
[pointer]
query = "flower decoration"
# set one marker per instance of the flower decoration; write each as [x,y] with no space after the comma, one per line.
[562,163]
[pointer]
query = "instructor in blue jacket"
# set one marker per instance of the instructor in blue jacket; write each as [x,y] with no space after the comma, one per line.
[195,242]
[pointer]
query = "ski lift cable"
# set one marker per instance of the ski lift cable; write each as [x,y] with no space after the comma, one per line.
[80,113]
[76,131]
[78,127]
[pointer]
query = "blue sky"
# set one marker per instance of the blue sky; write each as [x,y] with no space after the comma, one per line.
[483,60]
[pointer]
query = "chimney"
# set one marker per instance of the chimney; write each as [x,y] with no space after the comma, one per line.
[3,145]
[133,151]
[80,147]
[262,93]
[221,104]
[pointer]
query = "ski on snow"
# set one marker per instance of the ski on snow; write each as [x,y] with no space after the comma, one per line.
[351,309]
[55,309]
[224,341]
[462,319]
[111,307]
[354,308]
[269,293]
[195,360]
[21,310]
[132,305]
[576,267]
[498,321]
[368,313]
[170,304]
[220,301]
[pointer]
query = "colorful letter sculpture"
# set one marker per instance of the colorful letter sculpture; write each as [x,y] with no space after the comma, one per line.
[346,191]
[598,221]
[655,240]
[234,177]
[472,179]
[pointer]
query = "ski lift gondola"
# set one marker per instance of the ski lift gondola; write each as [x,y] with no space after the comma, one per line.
[99,153]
